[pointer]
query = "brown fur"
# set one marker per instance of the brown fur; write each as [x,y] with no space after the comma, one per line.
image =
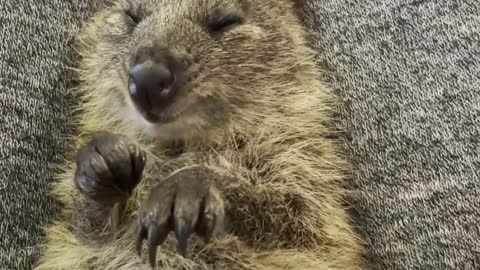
[257,112]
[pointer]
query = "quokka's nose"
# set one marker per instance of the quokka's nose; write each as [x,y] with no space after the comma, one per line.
[151,86]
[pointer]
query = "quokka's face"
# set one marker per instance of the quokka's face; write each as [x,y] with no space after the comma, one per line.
[187,66]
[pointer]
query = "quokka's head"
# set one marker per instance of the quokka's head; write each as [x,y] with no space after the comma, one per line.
[180,68]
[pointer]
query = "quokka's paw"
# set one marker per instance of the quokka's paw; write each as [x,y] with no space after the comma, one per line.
[108,168]
[186,202]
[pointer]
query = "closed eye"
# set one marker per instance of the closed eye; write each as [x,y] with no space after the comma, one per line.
[223,24]
[133,16]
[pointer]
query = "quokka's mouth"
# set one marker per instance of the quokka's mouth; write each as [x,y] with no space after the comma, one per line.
[161,118]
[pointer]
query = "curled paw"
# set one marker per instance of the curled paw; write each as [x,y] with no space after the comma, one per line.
[186,203]
[108,168]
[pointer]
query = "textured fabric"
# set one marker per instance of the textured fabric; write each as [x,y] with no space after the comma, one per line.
[407,77]
[35,43]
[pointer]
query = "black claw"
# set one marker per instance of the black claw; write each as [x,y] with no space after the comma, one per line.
[182,231]
[141,235]
[206,225]
[209,227]
[138,158]
[152,244]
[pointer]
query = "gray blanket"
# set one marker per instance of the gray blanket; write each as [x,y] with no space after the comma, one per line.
[407,77]
[35,55]
[406,74]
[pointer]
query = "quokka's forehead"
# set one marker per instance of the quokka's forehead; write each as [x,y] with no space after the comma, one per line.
[190,7]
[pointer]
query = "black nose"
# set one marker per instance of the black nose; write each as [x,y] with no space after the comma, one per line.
[152,87]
